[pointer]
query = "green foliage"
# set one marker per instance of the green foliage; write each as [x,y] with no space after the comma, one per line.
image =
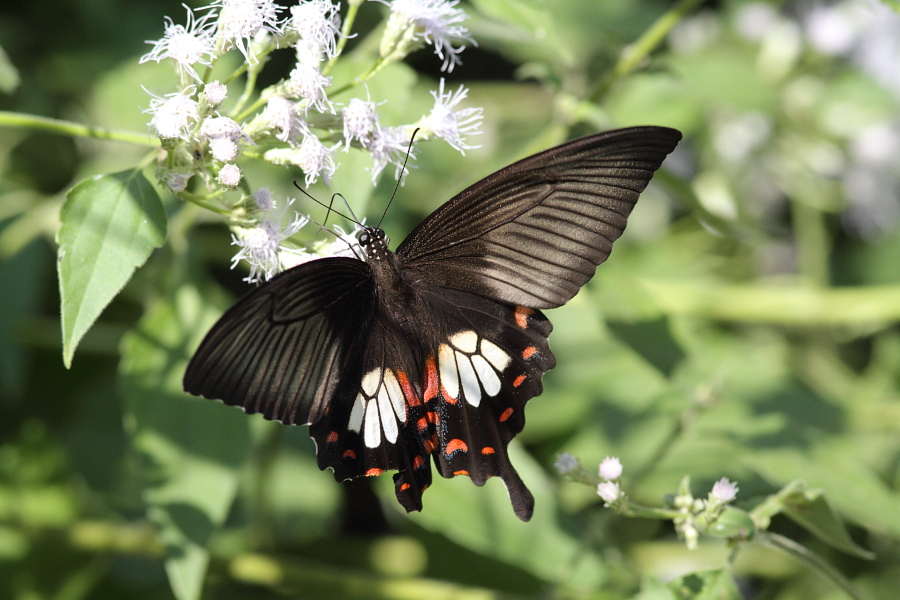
[744,327]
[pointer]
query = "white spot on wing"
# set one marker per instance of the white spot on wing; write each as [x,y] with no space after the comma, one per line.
[395,394]
[469,380]
[447,368]
[467,341]
[356,414]
[486,375]
[372,434]
[388,419]
[495,355]
[370,382]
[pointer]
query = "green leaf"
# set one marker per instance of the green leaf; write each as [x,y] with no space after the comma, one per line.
[9,75]
[482,520]
[714,584]
[109,226]
[811,510]
[191,449]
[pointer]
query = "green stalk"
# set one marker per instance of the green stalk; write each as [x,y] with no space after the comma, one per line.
[26,121]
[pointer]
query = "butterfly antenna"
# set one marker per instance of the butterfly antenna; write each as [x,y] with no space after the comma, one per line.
[399,179]
[328,206]
[330,210]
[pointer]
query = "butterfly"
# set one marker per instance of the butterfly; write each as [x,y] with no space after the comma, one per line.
[430,353]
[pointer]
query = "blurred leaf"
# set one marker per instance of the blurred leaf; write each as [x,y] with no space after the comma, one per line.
[109,226]
[482,520]
[9,75]
[715,584]
[191,448]
[810,509]
[654,589]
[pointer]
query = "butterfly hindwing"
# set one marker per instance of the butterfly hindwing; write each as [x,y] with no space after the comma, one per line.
[283,349]
[534,232]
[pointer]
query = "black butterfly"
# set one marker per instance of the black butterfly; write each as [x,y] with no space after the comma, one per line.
[432,352]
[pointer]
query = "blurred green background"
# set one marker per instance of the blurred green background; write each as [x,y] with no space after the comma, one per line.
[745,325]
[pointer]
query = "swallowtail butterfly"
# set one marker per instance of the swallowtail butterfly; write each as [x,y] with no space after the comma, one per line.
[431,352]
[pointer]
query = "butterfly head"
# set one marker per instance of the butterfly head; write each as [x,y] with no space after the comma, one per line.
[374,242]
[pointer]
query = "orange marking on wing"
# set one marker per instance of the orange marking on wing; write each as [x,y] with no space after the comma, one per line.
[519,380]
[349,454]
[423,424]
[455,445]
[462,472]
[408,392]
[447,397]
[522,314]
[404,487]
[432,417]
[506,414]
[332,437]
[529,352]
[429,446]
[419,462]
[424,487]
[431,379]
[487,450]
[374,472]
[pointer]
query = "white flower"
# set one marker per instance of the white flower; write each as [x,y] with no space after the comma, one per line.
[437,22]
[609,491]
[229,175]
[223,149]
[724,490]
[264,199]
[284,119]
[610,468]
[173,115]
[388,146]
[317,22]
[360,121]
[565,463]
[187,44]
[262,245]
[306,81]
[316,160]
[240,21]
[452,125]
[215,93]
[312,156]
[221,127]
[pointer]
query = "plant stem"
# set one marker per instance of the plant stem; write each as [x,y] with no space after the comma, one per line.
[26,121]
[352,9]
[632,56]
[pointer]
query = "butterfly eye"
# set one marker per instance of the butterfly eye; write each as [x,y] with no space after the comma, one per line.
[364,239]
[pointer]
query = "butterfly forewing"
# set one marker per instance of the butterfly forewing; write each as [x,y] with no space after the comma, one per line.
[283,349]
[534,232]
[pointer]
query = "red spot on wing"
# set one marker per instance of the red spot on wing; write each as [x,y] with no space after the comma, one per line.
[431,379]
[529,352]
[447,397]
[419,462]
[404,487]
[429,445]
[408,392]
[522,314]
[332,437]
[462,472]
[374,472]
[455,445]
[349,454]
[487,450]
[506,414]
[422,424]
[519,380]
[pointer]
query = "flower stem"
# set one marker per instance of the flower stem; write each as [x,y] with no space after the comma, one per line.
[346,27]
[632,56]
[26,121]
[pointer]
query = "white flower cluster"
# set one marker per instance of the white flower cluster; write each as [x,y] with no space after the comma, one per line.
[293,122]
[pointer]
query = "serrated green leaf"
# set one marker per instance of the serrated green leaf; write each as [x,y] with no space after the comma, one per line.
[714,584]
[811,510]
[109,225]
[190,448]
